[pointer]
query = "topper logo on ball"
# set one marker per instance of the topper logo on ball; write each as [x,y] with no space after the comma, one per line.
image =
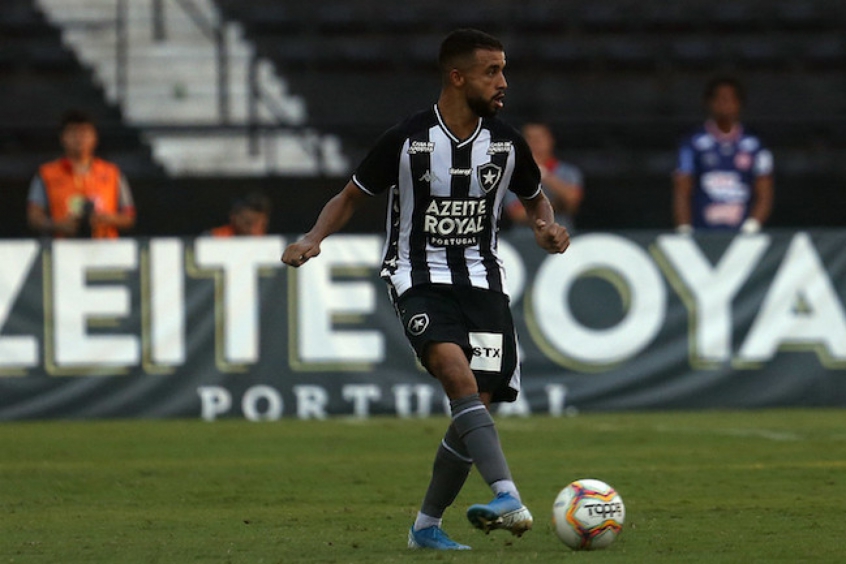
[604,509]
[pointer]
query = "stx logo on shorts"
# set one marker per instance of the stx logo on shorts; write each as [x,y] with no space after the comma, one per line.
[487,351]
[418,324]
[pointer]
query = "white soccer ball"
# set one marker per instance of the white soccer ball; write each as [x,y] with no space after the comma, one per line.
[588,514]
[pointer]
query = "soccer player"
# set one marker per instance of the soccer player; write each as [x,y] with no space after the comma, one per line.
[723,180]
[446,170]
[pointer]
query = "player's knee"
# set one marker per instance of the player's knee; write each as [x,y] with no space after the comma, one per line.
[446,360]
[448,363]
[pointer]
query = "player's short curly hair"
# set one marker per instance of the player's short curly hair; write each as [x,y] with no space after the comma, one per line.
[254,201]
[718,81]
[75,117]
[462,43]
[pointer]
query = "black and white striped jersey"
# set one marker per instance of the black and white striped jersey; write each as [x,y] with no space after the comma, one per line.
[445,199]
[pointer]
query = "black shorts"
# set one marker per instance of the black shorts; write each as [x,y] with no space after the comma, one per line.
[477,320]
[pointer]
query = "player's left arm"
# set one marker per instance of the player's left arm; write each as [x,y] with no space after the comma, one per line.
[526,183]
[550,236]
[122,220]
[123,217]
[764,193]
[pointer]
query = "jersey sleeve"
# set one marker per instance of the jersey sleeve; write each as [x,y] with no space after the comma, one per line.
[763,165]
[125,201]
[570,174]
[380,168]
[525,181]
[685,162]
[37,192]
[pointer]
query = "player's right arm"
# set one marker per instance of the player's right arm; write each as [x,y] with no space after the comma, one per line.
[40,222]
[39,219]
[683,189]
[376,173]
[682,194]
[333,217]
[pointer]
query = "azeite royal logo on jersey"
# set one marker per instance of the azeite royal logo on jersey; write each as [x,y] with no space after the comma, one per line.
[454,222]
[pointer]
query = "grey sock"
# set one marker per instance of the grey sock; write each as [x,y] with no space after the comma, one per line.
[449,472]
[476,428]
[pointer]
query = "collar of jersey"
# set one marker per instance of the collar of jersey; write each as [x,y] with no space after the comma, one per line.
[715,132]
[459,142]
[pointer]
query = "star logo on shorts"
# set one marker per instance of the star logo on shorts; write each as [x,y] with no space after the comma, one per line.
[418,323]
[489,176]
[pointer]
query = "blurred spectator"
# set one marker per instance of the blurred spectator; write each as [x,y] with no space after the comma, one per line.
[80,195]
[248,216]
[724,176]
[562,182]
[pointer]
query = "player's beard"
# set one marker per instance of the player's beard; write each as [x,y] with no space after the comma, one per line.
[481,107]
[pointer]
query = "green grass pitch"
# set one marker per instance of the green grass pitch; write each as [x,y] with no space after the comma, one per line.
[755,486]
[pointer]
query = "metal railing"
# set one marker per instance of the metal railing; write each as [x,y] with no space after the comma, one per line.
[121,51]
[215,31]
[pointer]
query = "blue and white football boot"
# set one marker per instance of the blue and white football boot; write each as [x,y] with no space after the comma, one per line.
[504,512]
[433,537]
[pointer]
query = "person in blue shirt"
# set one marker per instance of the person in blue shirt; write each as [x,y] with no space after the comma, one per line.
[724,177]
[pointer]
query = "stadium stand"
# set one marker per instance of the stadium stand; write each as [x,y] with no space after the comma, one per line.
[619,81]
[39,80]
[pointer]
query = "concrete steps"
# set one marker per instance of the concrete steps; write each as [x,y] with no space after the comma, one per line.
[228,154]
[174,82]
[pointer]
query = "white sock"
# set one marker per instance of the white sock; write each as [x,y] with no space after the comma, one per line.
[505,486]
[424,521]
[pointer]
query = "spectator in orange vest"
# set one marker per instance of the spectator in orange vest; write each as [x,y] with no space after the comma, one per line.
[248,216]
[563,182]
[80,195]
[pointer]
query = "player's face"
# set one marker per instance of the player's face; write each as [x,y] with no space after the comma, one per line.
[485,83]
[249,222]
[725,104]
[79,140]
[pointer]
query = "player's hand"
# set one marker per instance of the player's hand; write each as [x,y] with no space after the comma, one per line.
[103,220]
[297,254]
[551,237]
[67,226]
